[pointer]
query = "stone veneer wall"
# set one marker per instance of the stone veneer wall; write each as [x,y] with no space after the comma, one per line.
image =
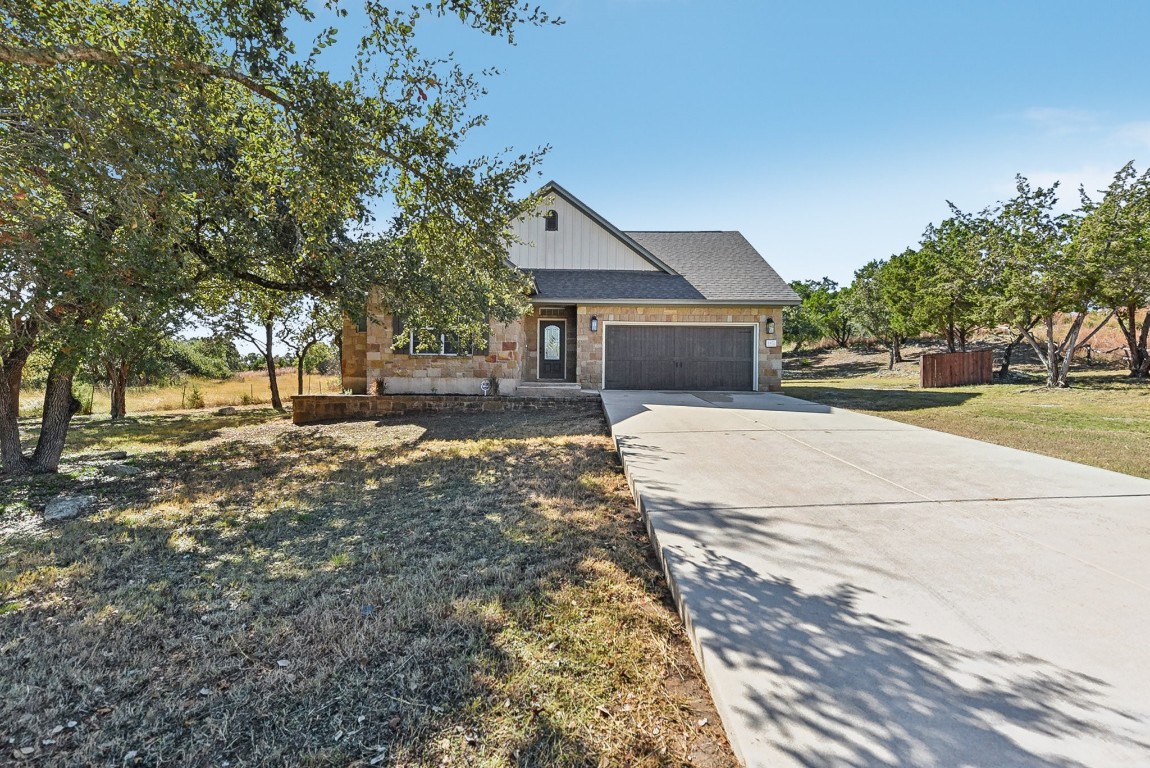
[404,373]
[353,357]
[307,409]
[590,345]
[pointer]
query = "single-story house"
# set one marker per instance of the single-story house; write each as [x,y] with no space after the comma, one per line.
[610,310]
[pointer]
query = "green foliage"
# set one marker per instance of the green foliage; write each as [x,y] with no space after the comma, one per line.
[822,314]
[950,278]
[321,358]
[195,398]
[1038,272]
[200,357]
[879,301]
[149,146]
[1115,237]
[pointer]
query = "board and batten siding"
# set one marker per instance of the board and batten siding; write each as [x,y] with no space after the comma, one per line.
[580,243]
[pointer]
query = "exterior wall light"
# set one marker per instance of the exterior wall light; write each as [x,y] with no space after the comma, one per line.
[771,326]
[594,324]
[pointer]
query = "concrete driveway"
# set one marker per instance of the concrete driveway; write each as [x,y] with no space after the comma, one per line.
[866,593]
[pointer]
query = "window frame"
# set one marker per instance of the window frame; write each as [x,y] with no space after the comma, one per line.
[443,345]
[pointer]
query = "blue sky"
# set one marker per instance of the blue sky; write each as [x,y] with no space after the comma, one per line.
[829,133]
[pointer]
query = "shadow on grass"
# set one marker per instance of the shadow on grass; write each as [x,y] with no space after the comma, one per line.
[813,364]
[328,594]
[582,418]
[878,399]
[154,429]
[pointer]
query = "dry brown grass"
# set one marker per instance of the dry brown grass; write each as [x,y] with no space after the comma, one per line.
[443,590]
[244,388]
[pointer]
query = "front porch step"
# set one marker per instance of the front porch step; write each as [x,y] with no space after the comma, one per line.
[559,389]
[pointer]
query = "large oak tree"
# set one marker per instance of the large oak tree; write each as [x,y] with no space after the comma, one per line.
[149,145]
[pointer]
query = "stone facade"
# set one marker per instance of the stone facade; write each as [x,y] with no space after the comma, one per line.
[404,373]
[353,357]
[308,409]
[590,344]
[513,352]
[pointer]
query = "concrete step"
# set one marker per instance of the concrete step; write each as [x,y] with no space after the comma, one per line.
[558,389]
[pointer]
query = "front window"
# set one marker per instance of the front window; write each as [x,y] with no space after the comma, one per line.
[429,341]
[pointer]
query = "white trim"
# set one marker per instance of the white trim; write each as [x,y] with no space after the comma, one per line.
[605,324]
[539,347]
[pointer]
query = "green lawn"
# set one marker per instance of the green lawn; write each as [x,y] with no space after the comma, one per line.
[468,590]
[1103,419]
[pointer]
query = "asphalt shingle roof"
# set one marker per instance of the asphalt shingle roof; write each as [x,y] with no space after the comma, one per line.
[611,284]
[711,266]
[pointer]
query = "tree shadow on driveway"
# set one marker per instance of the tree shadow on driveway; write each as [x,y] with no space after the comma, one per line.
[827,683]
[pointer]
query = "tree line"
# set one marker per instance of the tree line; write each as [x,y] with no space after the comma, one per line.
[164,161]
[1018,263]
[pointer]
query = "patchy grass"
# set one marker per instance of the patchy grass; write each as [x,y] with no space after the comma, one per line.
[244,388]
[1103,419]
[442,590]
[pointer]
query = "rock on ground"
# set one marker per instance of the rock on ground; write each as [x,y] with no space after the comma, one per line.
[227,410]
[122,470]
[65,507]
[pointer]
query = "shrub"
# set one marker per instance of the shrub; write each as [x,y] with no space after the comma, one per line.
[189,356]
[196,398]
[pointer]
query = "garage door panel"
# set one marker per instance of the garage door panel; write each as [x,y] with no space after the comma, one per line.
[681,357]
[658,374]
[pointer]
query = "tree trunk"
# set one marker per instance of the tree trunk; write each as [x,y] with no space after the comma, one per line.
[14,462]
[59,407]
[1051,360]
[299,365]
[1007,353]
[12,459]
[1143,352]
[118,378]
[1068,348]
[896,350]
[270,360]
[962,339]
[950,333]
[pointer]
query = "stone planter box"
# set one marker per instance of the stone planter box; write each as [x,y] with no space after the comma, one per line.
[308,409]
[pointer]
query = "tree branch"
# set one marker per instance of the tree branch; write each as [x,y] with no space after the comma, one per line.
[1090,335]
[1026,334]
[86,54]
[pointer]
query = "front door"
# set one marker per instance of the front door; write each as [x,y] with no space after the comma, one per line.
[552,349]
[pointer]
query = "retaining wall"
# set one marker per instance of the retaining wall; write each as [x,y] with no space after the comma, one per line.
[307,409]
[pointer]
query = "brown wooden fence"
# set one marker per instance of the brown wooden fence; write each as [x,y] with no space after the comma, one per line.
[953,369]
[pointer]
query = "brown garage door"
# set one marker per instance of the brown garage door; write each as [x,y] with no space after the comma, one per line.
[691,357]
